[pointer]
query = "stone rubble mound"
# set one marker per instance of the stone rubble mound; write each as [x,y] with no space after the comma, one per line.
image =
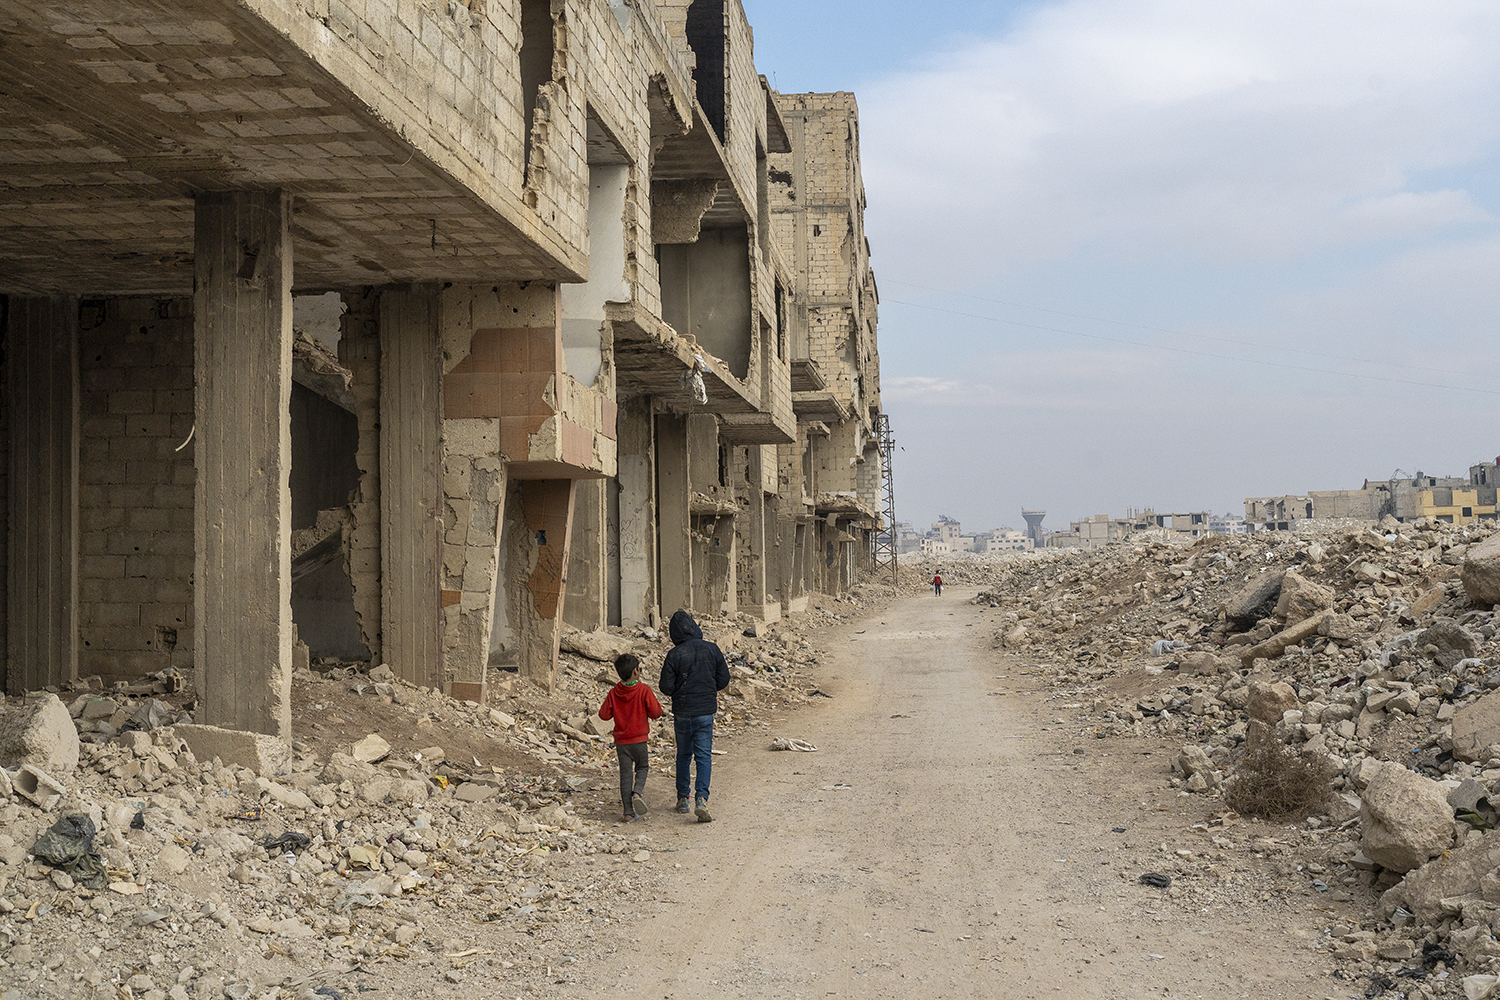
[145,856]
[1373,647]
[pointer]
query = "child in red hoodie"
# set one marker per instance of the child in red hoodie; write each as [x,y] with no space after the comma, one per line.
[632,704]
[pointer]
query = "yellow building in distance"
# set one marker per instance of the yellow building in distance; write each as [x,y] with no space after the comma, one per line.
[1457,506]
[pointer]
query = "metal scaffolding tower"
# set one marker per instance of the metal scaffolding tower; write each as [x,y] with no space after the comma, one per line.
[885,539]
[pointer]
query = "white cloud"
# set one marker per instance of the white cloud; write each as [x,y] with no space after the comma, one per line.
[1260,131]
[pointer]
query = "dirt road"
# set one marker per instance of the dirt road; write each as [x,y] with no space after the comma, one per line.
[951,838]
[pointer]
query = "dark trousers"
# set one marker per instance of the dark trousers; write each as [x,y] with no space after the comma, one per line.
[635,764]
[695,743]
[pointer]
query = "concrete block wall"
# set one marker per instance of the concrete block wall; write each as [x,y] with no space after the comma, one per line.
[448,77]
[135,613]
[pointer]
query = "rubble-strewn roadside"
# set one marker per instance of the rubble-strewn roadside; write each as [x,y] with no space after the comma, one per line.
[1373,646]
[404,840]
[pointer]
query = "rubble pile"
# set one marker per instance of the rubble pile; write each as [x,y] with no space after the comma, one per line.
[145,856]
[1373,647]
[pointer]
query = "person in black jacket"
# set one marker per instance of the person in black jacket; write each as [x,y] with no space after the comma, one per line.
[692,675]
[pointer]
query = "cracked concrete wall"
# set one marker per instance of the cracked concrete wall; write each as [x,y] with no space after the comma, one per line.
[359,351]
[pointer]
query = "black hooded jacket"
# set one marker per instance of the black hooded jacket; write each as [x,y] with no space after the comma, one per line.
[694,672]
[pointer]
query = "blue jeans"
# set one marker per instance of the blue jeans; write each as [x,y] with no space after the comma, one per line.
[695,741]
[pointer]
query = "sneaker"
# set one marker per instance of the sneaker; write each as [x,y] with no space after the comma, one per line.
[702,810]
[639,804]
[683,806]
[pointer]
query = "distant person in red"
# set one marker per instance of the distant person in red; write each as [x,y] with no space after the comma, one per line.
[937,584]
[632,705]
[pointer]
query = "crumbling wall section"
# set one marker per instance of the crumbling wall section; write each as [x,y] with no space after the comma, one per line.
[448,78]
[135,613]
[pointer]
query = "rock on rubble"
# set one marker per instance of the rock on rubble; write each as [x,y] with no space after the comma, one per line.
[1480,572]
[1476,726]
[1405,819]
[41,733]
[1301,598]
[1469,871]
[601,646]
[1252,601]
[265,755]
[1269,702]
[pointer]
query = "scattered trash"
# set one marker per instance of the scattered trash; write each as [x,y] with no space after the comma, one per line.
[253,815]
[818,694]
[69,845]
[1162,647]
[1118,829]
[1156,879]
[790,743]
[290,840]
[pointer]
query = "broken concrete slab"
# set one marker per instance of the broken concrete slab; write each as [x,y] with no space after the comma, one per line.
[371,749]
[1405,818]
[1480,572]
[601,646]
[1253,601]
[1476,726]
[40,733]
[265,755]
[1282,641]
[1300,598]
[1269,702]
[1440,887]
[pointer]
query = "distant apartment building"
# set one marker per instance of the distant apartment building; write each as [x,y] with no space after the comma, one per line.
[1101,529]
[1455,499]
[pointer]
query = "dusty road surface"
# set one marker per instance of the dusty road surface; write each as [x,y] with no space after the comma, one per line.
[951,838]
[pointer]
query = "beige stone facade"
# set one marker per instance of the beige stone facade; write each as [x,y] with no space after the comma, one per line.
[586,359]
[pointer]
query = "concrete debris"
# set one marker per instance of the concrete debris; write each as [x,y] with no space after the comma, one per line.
[370,750]
[1480,574]
[1374,651]
[601,646]
[264,755]
[1406,819]
[1301,598]
[500,818]
[41,733]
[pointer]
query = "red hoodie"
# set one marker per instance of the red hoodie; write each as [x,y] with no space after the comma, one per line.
[631,706]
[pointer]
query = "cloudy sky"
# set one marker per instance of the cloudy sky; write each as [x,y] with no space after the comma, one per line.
[1165,252]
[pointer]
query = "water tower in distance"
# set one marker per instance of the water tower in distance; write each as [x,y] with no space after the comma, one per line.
[1034,527]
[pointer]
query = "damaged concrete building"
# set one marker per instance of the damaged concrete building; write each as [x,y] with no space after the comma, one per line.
[831,475]
[413,332]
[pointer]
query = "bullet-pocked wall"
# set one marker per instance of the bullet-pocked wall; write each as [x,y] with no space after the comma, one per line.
[135,498]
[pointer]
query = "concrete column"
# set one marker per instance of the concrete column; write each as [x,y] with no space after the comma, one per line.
[242,325]
[538,517]
[411,427]
[41,358]
[637,513]
[359,351]
[750,538]
[587,607]
[674,522]
[474,488]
